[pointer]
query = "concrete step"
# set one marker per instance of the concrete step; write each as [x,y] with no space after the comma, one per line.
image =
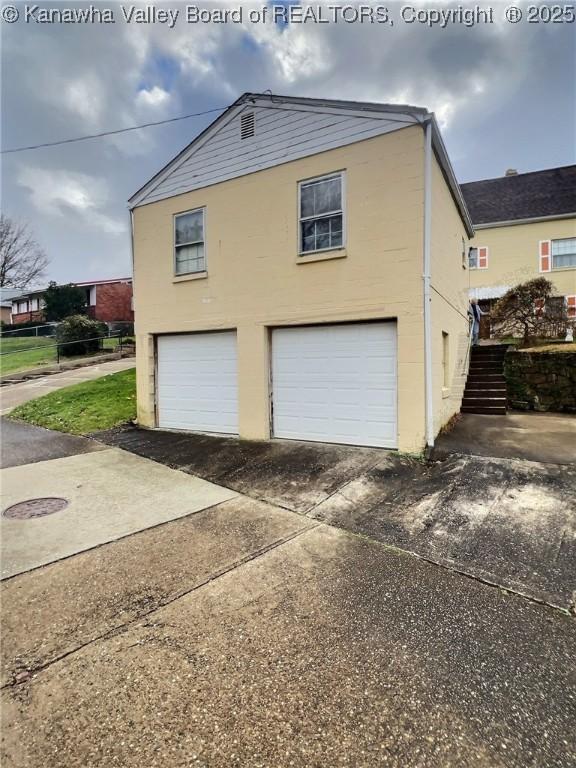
[482,402]
[489,410]
[487,359]
[486,349]
[481,369]
[478,392]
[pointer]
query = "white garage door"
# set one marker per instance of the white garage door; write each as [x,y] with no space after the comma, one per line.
[197,384]
[336,384]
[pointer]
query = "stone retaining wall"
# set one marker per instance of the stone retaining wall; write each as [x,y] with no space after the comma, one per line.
[541,381]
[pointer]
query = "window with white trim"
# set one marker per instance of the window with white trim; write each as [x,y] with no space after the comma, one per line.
[321,214]
[478,258]
[564,253]
[189,251]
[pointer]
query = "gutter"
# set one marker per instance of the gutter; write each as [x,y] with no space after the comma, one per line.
[534,220]
[426,279]
[131,214]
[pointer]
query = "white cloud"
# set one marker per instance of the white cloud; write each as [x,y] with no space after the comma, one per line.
[59,193]
[84,97]
[155,97]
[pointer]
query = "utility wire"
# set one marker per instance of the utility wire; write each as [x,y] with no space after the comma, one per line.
[289,108]
[111,133]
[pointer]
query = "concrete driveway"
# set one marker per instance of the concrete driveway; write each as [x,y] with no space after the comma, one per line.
[542,437]
[12,395]
[510,522]
[246,635]
[226,630]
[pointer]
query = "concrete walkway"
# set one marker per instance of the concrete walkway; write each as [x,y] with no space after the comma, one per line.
[109,494]
[12,395]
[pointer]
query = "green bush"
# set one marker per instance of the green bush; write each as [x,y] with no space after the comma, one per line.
[81,329]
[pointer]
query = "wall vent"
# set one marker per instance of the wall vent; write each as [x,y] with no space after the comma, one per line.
[247,125]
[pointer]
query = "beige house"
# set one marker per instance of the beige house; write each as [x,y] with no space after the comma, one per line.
[525,228]
[300,272]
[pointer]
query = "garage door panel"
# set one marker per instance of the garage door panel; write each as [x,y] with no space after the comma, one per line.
[336,383]
[197,382]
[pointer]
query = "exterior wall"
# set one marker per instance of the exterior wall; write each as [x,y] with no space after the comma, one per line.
[513,255]
[256,280]
[281,134]
[5,314]
[113,302]
[28,317]
[450,281]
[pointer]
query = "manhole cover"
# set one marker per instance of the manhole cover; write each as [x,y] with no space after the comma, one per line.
[26,510]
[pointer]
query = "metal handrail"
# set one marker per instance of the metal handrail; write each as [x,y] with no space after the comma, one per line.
[469,347]
[30,328]
[63,344]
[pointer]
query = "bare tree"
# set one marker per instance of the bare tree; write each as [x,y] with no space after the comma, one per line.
[22,260]
[529,311]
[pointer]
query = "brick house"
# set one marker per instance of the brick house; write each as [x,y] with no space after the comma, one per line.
[107,300]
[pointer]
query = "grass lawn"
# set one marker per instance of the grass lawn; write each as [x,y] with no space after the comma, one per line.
[86,407]
[23,358]
[558,347]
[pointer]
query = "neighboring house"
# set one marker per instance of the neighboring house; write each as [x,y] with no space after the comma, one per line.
[300,272]
[107,300]
[5,311]
[525,228]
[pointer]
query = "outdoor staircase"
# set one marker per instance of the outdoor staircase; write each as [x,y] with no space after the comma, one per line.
[486,386]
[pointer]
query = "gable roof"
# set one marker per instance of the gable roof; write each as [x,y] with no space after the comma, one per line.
[286,128]
[537,195]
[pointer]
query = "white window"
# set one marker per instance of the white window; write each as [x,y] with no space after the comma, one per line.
[445,360]
[189,251]
[564,253]
[478,258]
[321,209]
[33,305]
[23,306]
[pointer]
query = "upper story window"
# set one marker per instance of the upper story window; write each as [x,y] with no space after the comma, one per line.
[321,220]
[564,253]
[189,250]
[478,258]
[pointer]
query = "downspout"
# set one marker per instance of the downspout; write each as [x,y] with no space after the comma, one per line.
[426,278]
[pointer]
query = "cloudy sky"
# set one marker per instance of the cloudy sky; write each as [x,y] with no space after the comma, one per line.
[504,95]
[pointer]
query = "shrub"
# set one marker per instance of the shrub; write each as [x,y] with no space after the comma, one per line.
[530,311]
[84,331]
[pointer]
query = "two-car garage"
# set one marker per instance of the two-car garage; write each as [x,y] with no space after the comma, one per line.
[330,383]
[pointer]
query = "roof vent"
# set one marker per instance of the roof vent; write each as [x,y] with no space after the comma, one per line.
[511,172]
[247,125]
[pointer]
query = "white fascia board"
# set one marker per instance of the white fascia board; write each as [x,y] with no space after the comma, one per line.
[534,220]
[182,156]
[446,165]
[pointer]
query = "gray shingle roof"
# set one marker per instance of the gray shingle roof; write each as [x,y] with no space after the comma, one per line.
[551,192]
